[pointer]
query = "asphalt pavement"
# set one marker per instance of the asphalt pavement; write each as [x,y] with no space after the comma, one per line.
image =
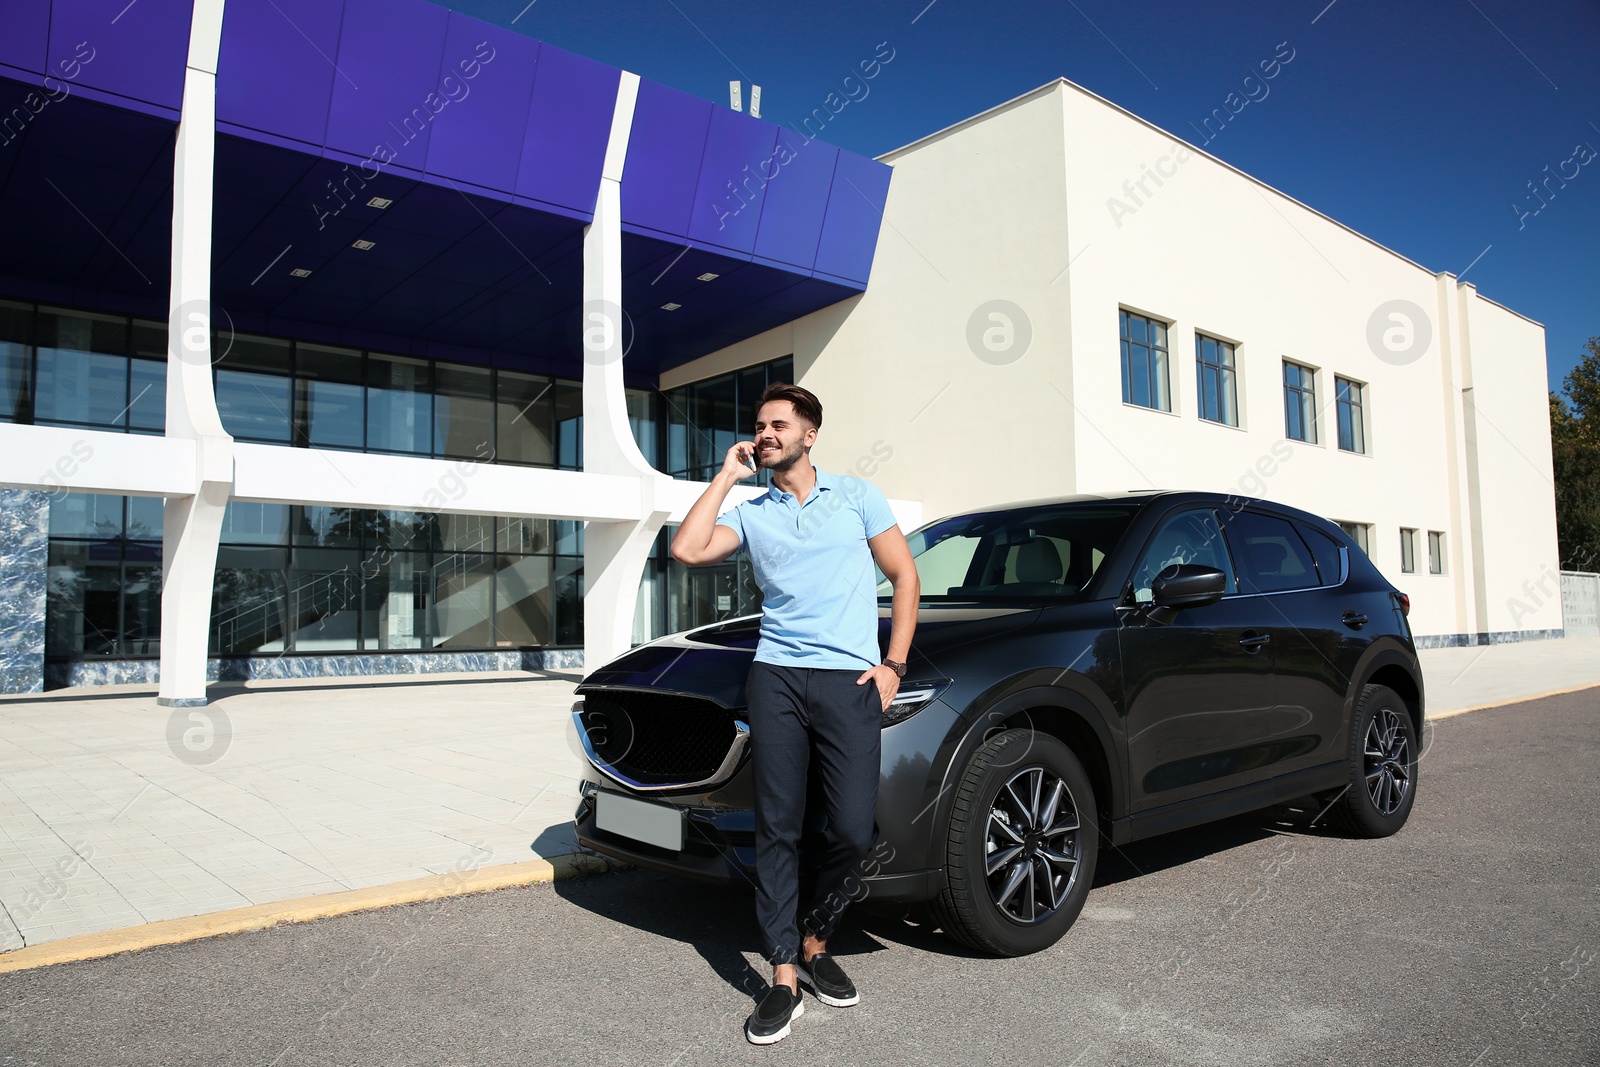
[1471,938]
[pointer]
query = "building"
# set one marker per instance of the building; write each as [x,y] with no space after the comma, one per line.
[1067,299]
[364,337]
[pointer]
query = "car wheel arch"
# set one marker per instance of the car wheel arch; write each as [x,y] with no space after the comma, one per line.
[1070,715]
[1394,667]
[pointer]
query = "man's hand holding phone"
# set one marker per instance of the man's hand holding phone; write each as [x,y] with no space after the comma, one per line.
[740,461]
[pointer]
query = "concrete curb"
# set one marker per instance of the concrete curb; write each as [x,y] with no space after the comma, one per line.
[300,910]
[1432,716]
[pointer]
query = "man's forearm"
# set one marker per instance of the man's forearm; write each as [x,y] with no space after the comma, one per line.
[903,616]
[694,533]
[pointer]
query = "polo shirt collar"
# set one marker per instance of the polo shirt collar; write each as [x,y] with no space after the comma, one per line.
[824,481]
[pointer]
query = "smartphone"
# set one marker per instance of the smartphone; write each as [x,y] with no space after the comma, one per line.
[750,461]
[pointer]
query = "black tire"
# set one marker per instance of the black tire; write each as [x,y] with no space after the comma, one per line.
[1377,800]
[1029,901]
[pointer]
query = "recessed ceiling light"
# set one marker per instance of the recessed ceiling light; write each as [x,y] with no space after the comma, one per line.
[363,245]
[670,307]
[709,277]
[300,272]
[379,202]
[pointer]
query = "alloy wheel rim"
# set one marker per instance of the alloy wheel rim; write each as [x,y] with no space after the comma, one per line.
[1031,846]
[1388,762]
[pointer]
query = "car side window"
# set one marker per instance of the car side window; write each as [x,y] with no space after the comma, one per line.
[1330,563]
[942,566]
[1271,556]
[1188,537]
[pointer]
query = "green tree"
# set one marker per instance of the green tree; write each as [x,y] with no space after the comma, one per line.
[1575,450]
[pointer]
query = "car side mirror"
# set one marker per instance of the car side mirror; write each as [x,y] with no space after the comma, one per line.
[1187,585]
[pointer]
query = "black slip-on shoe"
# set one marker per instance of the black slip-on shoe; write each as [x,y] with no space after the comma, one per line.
[828,981]
[770,1021]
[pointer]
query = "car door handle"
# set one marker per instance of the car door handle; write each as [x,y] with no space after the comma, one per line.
[1353,619]
[1253,643]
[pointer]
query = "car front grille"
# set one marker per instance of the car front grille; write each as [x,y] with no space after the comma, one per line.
[660,741]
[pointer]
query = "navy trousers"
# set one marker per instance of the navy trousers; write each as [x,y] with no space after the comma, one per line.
[797,715]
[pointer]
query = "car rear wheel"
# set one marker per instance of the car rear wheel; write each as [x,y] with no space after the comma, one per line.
[1383,766]
[1021,846]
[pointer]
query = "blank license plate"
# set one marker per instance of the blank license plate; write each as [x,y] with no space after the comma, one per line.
[653,824]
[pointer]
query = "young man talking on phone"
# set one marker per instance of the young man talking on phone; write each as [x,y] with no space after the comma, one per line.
[817,688]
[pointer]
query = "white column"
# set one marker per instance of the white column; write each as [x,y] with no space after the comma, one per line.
[1465,526]
[192,525]
[614,552]
[1467,554]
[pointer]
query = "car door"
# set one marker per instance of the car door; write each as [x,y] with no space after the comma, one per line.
[1198,684]
[1317,627]
[1280,584]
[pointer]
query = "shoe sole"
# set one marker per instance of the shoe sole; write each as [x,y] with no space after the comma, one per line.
[837,1002]
[773,1039]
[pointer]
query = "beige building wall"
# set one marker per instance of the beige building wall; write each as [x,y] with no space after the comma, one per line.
[974,216]
[1509,408]
[990,367]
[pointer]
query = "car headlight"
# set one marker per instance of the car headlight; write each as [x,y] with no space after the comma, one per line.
[912,698]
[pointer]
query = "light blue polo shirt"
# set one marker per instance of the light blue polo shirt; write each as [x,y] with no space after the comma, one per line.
[815,571]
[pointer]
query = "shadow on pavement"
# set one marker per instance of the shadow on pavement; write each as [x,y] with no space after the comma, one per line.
[717,922]
[557,839]
[1122,862]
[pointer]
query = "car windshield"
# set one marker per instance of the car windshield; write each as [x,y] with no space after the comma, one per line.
[1050,551]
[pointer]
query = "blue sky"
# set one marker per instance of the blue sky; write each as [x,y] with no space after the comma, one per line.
[1418,123]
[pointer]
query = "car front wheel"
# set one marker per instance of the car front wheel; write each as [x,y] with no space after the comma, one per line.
[1383,766]
[1021,846]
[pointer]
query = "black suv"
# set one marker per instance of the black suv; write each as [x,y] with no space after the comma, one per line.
[1092,667]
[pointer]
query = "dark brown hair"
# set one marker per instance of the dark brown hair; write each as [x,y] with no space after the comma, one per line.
[805,402]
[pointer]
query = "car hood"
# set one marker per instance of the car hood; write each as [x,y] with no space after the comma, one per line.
[712,661]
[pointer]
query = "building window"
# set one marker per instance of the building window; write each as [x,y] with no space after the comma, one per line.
[1435,552]
[16,362]
[1349,397]
[1144,362]
[255,388]
[1359,532]
[1408,551]
[110,373]
[303,579]
[463,412]
[704,419]
[329,401]
[399,405]
[103,585]
[1219,395]
[1299,403]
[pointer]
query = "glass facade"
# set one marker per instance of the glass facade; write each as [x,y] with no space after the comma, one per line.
[296,579]
[103,591]
[74,368]
[704,419]
[315,579]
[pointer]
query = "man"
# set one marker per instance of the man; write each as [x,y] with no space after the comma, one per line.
[817,689]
